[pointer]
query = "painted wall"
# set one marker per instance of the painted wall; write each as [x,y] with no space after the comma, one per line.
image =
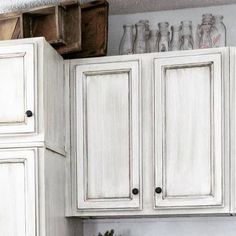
[192,226]
[116,22]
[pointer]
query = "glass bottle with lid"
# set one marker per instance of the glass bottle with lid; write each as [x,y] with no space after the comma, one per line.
[164,37]
[205,29]
[187,38]
[205,39]
[126,44]
[176,38]
[147,30]
[218,32]
[153,41]
[140,43]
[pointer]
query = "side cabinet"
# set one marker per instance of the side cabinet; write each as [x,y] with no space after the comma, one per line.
[191,133]
[32,140]
[106,148]
[17,90]
[17,187]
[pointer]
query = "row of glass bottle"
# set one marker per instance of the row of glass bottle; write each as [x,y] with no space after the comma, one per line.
[211,33]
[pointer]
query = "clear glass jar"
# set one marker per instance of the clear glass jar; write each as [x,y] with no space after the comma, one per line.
[164,41]
[218,32]
[126,44]
[140,43]
[187,37]
[175,38]
[153,41]
[205,39]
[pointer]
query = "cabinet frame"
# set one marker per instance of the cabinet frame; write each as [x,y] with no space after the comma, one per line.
[27,157]
[219,203]
[80,202]
[28,53]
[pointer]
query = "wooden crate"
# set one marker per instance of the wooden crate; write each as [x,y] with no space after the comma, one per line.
[10,26]
[72,22]
[55,23]
[59,24]
[94,20]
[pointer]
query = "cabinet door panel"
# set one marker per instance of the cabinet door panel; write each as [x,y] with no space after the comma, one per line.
[108,135]
[17,89]
[17,187]
[188,131]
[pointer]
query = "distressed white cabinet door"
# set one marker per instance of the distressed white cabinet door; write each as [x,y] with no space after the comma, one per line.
[17,188]
[189,131]
[108,135]
[17,89]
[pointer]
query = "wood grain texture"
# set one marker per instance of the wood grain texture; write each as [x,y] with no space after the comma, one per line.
[94,20]
[17,90]
[17,201]
[188,115]
[10,27]
[35,84]
[108,128]
[31,162]
[196,88]
[107,137]
[188,131]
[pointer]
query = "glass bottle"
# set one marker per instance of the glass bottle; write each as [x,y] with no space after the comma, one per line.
[126,44]
[152,42]
[176,37]
[147,30]
[140,43]
[205,40]
[164,41]
[218,32]
[187,38]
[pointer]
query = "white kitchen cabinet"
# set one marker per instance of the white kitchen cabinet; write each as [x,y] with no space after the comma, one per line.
[17,95]
[18,196]
[106,135]
[171,143]
[191,134]
[32,200]
[31,94]
[32,145]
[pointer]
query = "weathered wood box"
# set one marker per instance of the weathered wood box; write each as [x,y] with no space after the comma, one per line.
[74,30]
[94,21]
[59,24]
[10,26]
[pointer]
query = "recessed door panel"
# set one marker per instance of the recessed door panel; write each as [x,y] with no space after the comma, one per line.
[17,89]
[108,135]
[17,187]
[188,132]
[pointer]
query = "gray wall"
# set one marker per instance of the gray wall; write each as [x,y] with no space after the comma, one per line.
[173,17]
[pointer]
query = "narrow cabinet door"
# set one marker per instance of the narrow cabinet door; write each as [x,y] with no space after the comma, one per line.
[107,103]
[17,89]
[17,188]
[189,131]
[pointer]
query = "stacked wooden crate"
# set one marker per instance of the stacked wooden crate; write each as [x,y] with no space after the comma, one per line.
[75,30]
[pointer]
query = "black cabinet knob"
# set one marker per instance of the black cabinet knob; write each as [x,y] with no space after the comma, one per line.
[158,190]
[135,191]
[29,113]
